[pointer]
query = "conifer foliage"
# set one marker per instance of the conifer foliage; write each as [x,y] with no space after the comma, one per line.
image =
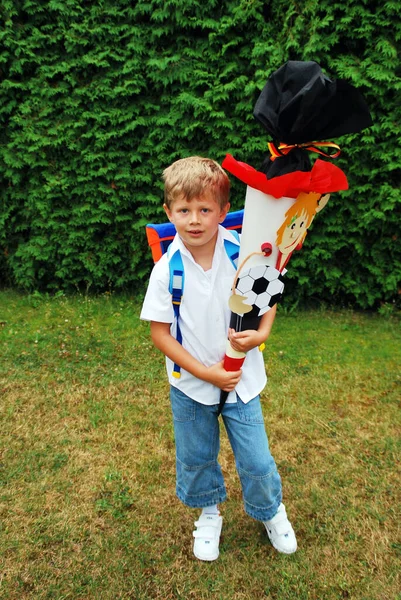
[98,97]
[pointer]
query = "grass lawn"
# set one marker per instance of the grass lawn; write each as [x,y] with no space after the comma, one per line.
[87,483]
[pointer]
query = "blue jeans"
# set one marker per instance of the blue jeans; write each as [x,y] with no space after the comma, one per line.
[200,481]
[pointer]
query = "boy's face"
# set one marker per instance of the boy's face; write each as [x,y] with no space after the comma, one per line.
[197,220]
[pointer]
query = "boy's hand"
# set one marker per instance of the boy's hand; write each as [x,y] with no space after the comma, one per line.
[225,380]
[243,341]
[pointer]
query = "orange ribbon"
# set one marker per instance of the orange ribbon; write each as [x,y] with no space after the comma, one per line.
[284,149]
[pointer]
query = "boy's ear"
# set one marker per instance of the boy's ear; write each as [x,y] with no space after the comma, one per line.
[224,211]
[168,212]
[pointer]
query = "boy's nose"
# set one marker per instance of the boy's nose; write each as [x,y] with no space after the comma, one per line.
[194,218]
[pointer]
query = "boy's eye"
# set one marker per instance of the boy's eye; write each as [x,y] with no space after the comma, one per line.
[205,210]
[302,224]
[184,210]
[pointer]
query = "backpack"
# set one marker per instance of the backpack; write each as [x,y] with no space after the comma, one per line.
[160,236]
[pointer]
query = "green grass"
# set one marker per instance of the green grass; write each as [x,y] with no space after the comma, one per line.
[87,502]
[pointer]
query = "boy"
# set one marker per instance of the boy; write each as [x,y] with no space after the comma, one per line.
[196,200]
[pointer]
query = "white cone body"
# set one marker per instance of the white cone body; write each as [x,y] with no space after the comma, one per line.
[263,216]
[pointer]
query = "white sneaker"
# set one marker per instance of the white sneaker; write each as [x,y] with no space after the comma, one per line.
[207,536]
[280,532]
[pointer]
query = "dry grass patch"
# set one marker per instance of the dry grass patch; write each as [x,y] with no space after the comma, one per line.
[87,501]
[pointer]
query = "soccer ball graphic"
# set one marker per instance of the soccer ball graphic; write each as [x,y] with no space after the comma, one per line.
[262,286]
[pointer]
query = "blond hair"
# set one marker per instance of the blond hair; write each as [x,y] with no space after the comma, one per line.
[193,176]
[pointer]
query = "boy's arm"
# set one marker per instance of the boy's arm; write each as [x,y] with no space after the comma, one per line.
[243,341]
[216,374]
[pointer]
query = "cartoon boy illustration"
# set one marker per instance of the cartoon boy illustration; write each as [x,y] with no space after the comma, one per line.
[292,232]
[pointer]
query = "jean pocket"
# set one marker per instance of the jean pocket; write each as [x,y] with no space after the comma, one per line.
[250,412]
[182,406]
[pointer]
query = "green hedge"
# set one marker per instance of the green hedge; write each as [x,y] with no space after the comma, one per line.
[98,97]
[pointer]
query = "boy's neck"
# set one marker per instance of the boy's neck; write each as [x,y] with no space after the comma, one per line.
[203,255]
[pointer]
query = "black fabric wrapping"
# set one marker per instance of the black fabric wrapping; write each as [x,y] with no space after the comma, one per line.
[300,104]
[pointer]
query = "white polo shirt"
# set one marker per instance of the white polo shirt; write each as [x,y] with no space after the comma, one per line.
[204,321]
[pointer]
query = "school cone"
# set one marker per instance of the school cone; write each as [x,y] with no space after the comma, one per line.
[300,108]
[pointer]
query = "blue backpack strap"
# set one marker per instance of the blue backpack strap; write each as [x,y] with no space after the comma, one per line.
[232,249]
[176,289]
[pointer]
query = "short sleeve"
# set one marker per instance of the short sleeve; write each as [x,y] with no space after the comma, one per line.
[157,305]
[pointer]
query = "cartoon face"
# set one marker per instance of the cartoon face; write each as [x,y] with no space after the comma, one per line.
[293,233]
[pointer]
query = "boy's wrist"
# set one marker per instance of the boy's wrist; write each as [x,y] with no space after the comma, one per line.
[202,372]
[260,338]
